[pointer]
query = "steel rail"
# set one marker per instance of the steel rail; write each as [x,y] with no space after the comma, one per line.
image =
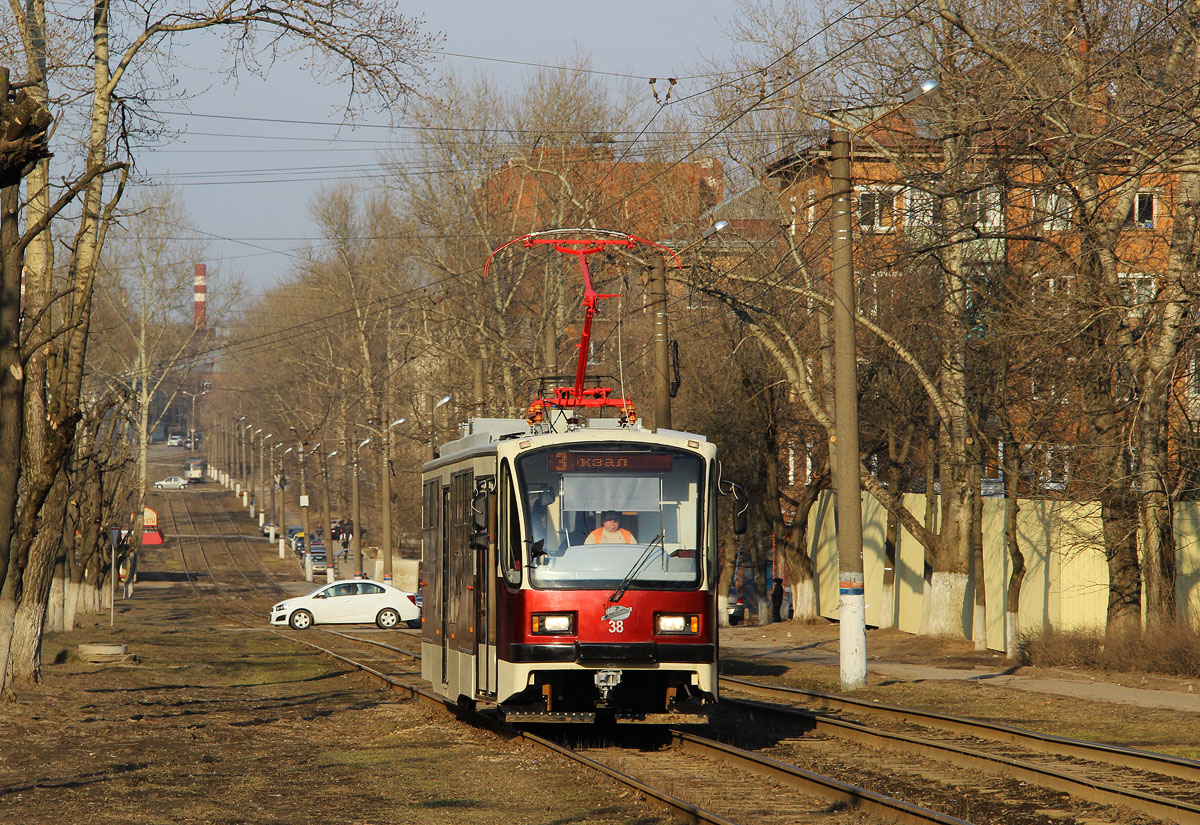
[274,583]
[1161,763]
[869,802]
[1091,790]
[823,787]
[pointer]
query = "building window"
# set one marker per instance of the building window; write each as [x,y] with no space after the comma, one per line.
[981,208]
[1053,210]
[1137,290]
[922,208]
[1141,213]
[876,290]
[1056,470]
[876,210]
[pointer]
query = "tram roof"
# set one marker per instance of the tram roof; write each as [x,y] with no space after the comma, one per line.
[479,435]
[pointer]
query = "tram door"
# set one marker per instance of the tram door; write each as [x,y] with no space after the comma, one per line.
[445,583]
[485,574]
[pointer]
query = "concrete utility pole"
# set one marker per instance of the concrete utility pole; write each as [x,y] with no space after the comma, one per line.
[478,388]
[385,504]
[281,479]
[356,515]
[330,550]
[662,368]
[304,519]
[274,488]
[852,603]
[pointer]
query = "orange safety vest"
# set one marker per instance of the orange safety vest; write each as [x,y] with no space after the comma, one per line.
[596,536]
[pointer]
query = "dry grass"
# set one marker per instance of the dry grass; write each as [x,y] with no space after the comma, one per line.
[1170,650]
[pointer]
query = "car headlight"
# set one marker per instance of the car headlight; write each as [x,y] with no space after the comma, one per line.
[554,624]
[666,624]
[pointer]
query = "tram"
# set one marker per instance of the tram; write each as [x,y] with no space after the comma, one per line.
[194,472]
[568,559]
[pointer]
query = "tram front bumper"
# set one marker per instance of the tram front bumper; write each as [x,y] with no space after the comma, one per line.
[591,653]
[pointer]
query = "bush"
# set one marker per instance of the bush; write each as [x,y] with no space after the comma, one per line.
[1172,650]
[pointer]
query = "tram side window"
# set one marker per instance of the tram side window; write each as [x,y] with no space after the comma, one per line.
[509,529]
[429,520]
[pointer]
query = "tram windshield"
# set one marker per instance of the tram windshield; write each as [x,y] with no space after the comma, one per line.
[598,513]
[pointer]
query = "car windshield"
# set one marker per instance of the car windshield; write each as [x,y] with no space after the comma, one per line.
[598,515]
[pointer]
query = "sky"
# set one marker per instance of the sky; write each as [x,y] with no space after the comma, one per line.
[249,159]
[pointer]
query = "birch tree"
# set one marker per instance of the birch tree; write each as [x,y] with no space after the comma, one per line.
[108,59]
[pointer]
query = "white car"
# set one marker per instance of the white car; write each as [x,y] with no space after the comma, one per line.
[175,441]
[172,483]
[355,601]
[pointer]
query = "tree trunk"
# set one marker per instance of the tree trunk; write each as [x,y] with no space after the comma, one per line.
[1124,575]
[1016,576]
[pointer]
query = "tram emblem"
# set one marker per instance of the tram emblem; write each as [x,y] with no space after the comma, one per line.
[616,613]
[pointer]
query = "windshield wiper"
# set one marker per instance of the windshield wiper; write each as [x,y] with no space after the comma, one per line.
[637,568]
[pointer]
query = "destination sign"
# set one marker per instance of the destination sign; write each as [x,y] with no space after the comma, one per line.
[568,462]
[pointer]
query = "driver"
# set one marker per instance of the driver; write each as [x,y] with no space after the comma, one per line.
[610,531]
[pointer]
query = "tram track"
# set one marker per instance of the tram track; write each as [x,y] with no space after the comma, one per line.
[677,760]
[797,794]
[1155,785]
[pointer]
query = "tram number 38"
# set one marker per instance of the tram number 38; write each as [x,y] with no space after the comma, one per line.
[616,627]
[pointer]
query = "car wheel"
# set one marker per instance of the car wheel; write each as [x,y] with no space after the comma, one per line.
[301,620]
[387,618]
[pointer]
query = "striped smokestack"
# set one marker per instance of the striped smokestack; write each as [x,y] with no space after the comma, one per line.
[199,298]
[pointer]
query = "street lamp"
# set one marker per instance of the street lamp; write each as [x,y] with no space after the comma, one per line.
[445,399]
[235,454]
[246,466]
[356,515]
[260,492]
[192,419]
[385,499]
[852,600]
[658,308]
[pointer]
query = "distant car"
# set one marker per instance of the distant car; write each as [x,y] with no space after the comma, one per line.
[318,558]
[737,608]
[349,602]
[267,527]
[175,441]
[171,483]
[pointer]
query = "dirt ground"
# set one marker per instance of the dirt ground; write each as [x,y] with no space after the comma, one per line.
[219,724]
[948,675]
[216,724]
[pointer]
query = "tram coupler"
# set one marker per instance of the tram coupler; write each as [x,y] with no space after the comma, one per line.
[606,680]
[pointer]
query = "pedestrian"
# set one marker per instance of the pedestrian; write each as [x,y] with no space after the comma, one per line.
[777,601]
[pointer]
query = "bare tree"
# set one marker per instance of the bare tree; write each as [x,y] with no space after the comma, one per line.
[105,58]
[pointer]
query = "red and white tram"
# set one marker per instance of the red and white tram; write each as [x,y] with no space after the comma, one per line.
[531,602]
[538,614]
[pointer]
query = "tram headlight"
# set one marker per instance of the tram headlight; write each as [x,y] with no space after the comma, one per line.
[668,624]
[555,624]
